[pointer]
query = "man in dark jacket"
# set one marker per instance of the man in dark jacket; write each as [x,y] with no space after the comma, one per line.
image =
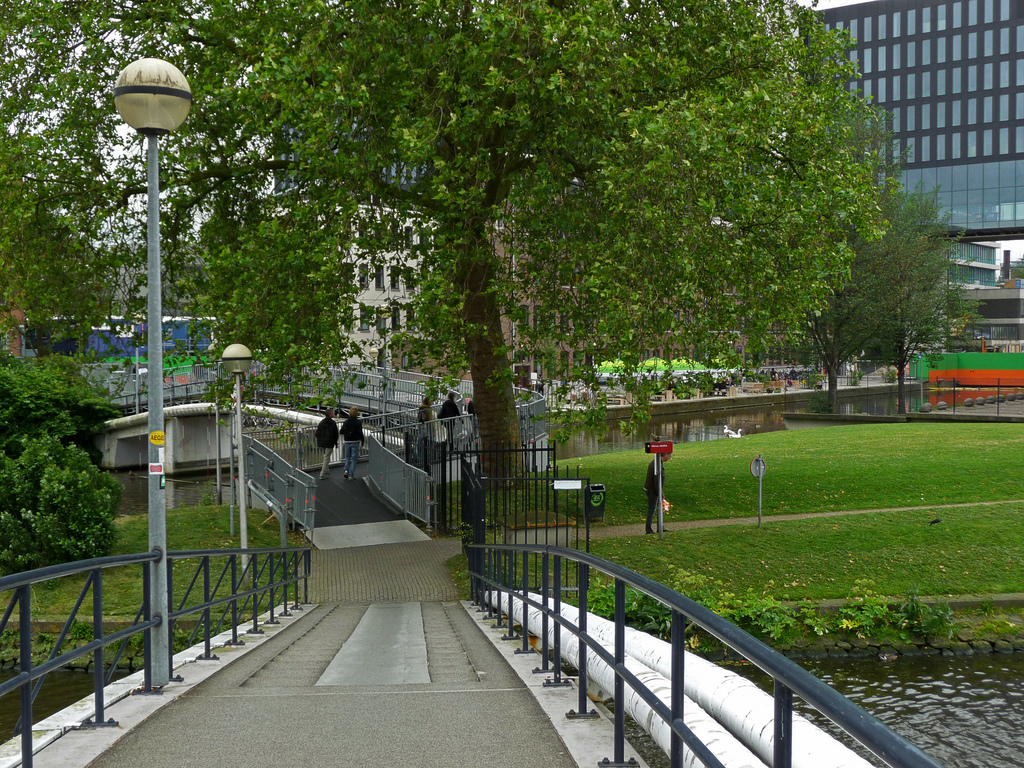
[352,431]
[327,440]
[449,409]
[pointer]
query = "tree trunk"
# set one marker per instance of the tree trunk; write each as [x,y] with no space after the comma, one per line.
[489,364]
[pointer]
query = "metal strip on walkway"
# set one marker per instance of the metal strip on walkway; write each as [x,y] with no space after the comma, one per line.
[367,534]
[387,647]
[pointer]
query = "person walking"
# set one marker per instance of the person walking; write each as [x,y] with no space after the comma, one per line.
[327,440]
[449,408]
[352,431]
[426,418]
[654,485]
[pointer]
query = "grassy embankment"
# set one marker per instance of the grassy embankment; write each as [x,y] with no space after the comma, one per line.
[974,549]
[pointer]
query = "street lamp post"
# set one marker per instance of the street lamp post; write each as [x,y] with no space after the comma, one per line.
[236,360]
[381,356]
[154,98]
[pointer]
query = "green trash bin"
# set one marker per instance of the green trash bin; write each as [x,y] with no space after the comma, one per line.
[593,500]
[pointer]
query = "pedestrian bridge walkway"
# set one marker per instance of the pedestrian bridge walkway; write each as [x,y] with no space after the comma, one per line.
[386,667]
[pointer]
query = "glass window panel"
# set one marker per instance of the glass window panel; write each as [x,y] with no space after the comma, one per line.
[911,87]
[940,82]
[1020,39]
[958,15]
[1004,107]
[896,153]
[853,29]
[881,90]
[911,55]
[1004,141]
[896,120]
[972,13]
[1020,139]
[940,51]
[866,89]
[926,53]
[925,153]
[986,142]
[954,144]
[896,88]
[988,79]
[988,178]
[926,85]
[957,88]
[956,114]
[911,117]
[896,56]
[865,64]
[989,45]
[1004,10]
[881,59]
[926,20]
[926,117]
[972,45]
[896,24]
[1020,71]
[944,179]
[957,52]
[1004,74]
[911,22]
[866,32]
[972,78]
[1007,173]
[959,182]
[1020,108]
[972,144]
[881,26]
[928,179]
[986,108]
[972,111]
[1004,41]
[989,11]
[940,146]
[940,115]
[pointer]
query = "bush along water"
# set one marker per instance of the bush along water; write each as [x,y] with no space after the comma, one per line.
[864,625]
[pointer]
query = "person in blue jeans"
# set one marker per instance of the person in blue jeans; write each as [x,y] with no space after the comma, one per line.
[352,432]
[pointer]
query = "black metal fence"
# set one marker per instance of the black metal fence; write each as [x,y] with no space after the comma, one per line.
[501,584]
[217,591]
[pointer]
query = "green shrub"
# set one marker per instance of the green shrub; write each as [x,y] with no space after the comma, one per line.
[55,506]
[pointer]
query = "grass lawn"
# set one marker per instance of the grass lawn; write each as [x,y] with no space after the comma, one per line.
[873,466]
[188,528]
[973,550]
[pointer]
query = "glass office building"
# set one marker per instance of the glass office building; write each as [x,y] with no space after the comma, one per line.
[952,76]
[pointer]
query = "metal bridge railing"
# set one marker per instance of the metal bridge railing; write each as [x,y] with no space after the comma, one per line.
[403,485]
[217,590]
[501,583]
[288,491]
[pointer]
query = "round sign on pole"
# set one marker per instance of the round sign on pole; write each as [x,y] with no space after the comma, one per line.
[758,467]
[157,437]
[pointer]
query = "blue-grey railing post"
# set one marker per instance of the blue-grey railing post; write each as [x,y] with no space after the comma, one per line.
[284,585]
[234,602]
[255,597]
[583,569]
[168,610]
[270,583]
[97,656]
[308,557]
[25,664]
[499,581]
[678,685]
[206,613]
[783,745]
[295,575]
[619,738]
[558,624]
[489,570]
[545,585]
[526,612]
[147,645]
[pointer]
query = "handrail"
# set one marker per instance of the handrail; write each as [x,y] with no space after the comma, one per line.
[282,568]
[789,677]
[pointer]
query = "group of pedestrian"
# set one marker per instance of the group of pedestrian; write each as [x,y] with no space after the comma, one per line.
[327,435]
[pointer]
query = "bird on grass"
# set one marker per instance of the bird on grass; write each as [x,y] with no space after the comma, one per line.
[936,520]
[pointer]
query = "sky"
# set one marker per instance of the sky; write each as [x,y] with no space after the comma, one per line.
[1016,247]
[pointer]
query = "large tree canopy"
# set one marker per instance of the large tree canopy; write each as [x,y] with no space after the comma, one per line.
[651,173]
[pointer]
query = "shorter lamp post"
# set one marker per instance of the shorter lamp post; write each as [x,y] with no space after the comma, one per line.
[381,355]
[236,360]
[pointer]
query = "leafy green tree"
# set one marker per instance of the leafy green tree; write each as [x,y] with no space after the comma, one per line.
[917,303]
[653,173]
[55,506]
[49,398]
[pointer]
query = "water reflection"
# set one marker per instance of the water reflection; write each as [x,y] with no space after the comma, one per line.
[179,491]
[60,689]
[709,425]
